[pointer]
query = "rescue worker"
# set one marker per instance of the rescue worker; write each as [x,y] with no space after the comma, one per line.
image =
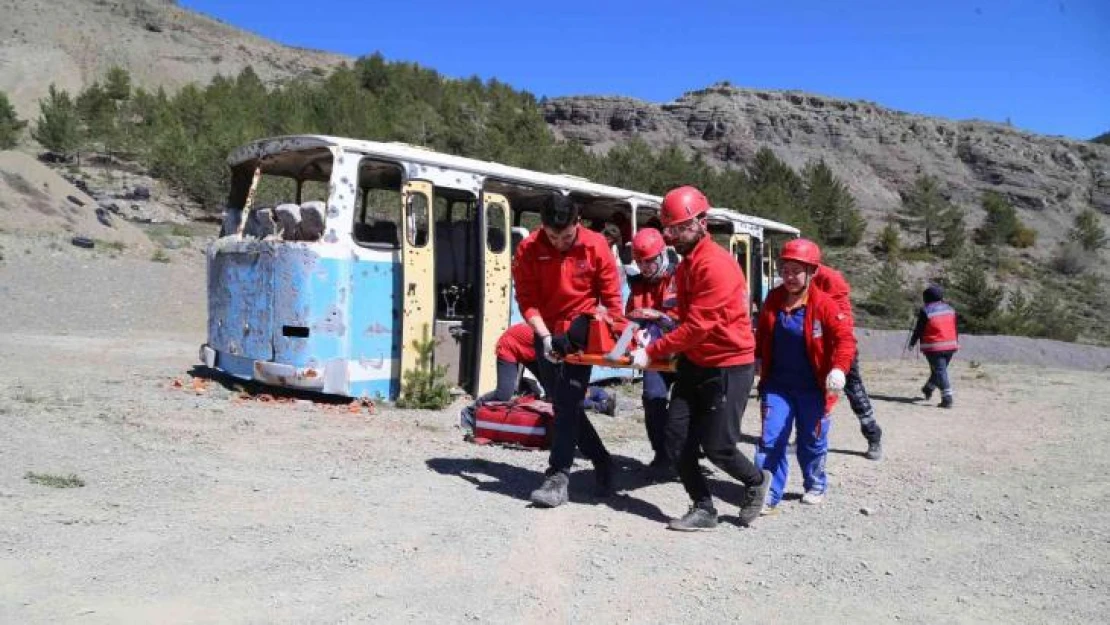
[715,367]
[832,282]
[652,300]
[805,345]
[562,271]
[936,330]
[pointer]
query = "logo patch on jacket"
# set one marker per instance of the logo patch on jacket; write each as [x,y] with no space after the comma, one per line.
[817,330]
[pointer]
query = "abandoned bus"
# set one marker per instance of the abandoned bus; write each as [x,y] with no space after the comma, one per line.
[338,256]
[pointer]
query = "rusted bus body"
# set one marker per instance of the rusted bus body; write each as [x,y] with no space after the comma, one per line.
[337,254]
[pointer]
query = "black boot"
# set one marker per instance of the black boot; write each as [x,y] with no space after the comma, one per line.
[945,402]
[927,391]
[554,490]
[605,474]
[874,450]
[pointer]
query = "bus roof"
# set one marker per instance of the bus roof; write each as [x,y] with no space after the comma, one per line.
[428,157]
[766,224]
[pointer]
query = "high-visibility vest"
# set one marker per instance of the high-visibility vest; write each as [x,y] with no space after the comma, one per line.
[940,329]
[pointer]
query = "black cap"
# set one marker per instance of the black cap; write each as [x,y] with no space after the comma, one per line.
[558,211]
[932,294]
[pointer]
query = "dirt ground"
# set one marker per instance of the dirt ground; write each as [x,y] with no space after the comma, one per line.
[198,506]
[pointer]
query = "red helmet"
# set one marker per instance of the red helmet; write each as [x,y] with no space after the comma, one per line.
[682,204]
[801,250]
[648,243]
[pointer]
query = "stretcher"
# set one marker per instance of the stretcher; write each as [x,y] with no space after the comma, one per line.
[602,350]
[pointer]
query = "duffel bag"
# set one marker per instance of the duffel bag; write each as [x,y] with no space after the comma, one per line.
[525,421]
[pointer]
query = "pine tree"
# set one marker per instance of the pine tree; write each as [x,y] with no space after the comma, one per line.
[1000,223]
[10,124]
[1088,232]
[57,127]
[888,297]
[953,233]
[831,206]
[889,242]
[976,301]
[924,209]
[424,387]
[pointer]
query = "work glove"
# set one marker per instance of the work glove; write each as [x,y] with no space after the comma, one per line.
[640,358]
[835,381]
[549,349]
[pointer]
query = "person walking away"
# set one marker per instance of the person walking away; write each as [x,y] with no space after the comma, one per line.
[936,329]
[562,271]
[715,368]
[832,282]
[652,300]
[805,345]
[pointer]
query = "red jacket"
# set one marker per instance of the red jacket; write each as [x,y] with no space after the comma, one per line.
[832,282]
[559,286]
[715,328]
[660,295]
[828,335]
[517,345]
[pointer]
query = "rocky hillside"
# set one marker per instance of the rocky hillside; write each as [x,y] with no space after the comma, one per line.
[877,151]
[74,42]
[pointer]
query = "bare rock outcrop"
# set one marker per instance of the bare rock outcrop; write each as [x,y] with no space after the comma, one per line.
[877,151]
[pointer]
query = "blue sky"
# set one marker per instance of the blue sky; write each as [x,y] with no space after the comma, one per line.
[1042,64]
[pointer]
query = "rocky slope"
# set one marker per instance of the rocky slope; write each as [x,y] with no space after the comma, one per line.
[74,42]
[877,151]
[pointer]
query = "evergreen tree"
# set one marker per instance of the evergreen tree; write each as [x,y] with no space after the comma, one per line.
[924,209]
[889,242]
[1088,232]
[1000,223]
[831,206]
[425,386]
[10,124]
[971,293]
[953,233]
[888,297]
[117,84]
[57,126]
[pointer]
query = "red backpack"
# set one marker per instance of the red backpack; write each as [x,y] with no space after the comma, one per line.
[525,421]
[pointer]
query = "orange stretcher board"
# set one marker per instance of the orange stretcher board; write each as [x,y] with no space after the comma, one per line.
[624,361]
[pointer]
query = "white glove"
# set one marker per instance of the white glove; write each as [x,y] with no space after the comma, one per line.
[549,350]
[639,358]
[835,381]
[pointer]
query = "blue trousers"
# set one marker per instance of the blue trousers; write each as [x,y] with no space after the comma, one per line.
[938,372]
[781,411]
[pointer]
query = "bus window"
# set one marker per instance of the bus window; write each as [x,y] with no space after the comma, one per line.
[417,215]
[378,217]
[495,232]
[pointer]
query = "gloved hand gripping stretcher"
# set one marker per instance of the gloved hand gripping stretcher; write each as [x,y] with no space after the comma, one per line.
[591,340]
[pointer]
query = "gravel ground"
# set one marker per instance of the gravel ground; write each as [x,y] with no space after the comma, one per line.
[201,506]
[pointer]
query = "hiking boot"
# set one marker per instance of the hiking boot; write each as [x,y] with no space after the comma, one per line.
[813,497]
[754,499]
[874,450]
[610,407]
[945,402]
[696,518]
[927,391]
[770,509]
[604,473]
[553,492]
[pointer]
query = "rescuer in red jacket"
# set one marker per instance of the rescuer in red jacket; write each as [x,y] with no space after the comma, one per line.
[652,301]
[832,282]
[936,329]
[805,345]
[715,368]
[562,271]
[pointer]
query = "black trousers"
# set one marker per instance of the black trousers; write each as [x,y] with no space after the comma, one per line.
[861,403]
[704,415]
[566,387]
